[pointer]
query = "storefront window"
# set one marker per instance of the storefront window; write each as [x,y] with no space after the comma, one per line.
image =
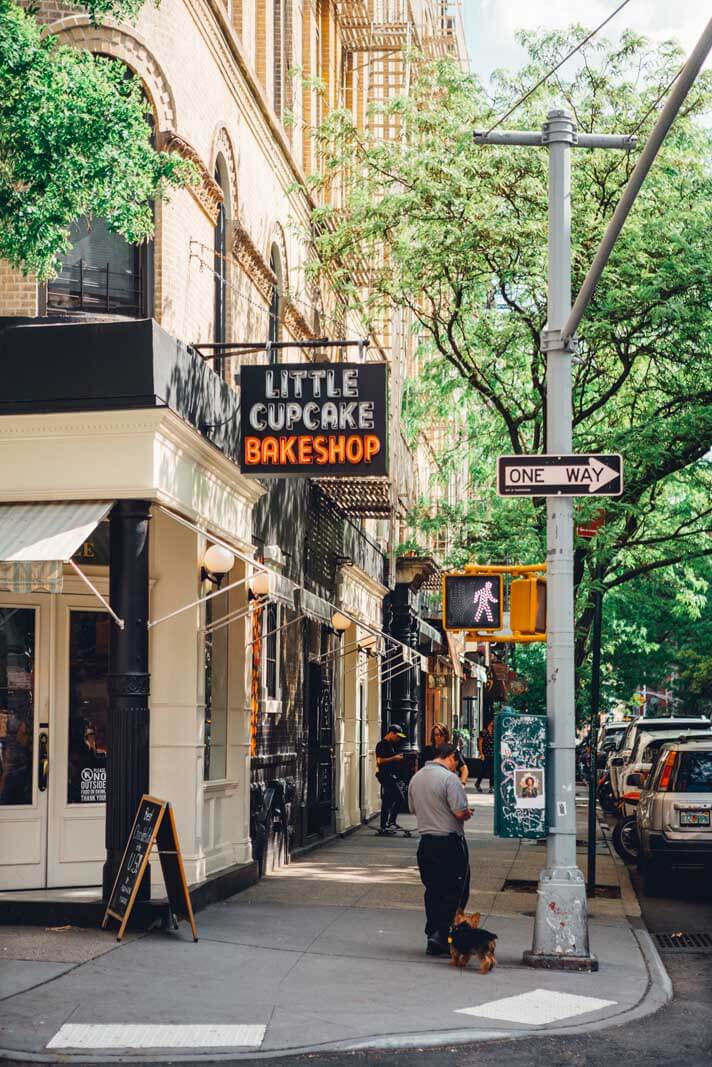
[17,704]
[216,660]
[88,706]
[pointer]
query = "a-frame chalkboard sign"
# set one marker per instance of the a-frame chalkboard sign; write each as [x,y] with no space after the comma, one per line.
[154,826]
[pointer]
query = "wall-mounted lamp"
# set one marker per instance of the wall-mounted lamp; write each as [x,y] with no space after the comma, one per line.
[259,584]
[340,622]
[217,561]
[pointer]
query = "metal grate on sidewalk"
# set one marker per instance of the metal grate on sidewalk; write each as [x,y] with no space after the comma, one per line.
[684,942]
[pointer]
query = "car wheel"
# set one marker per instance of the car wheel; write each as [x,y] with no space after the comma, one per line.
[605,798]
[625,839]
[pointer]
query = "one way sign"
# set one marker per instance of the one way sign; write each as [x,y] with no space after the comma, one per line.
[599,475]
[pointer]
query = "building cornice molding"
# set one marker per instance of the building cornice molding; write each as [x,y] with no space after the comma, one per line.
[252,262]
[206,191]
[157,423]
[296,325]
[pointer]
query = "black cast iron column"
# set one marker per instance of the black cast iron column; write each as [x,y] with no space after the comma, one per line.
[127,773]
[404,684]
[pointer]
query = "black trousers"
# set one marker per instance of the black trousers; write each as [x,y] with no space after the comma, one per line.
[444,865]
[486,766]
[391,797]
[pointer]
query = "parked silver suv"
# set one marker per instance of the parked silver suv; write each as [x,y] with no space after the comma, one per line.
[675,811]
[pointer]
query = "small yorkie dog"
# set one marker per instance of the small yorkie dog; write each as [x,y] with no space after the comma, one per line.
[466,940]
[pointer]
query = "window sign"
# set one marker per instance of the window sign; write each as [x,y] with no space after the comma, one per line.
[94,552]
[311,419]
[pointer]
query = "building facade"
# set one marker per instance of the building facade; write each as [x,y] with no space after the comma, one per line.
[244,704]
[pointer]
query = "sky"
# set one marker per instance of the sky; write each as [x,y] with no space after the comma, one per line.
[492,24]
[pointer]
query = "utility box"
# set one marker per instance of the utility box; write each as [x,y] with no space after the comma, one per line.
[520,766]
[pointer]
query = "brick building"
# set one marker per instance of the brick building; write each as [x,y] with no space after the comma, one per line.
[263,713]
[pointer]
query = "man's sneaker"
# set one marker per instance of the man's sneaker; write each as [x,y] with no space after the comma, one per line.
[478,788]
[490,790]
[388,832]
[435,947]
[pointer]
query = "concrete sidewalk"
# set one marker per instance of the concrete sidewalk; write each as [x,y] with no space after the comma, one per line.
[326,954]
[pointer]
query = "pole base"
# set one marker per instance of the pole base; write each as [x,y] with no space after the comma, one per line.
[559,963]
[561,923]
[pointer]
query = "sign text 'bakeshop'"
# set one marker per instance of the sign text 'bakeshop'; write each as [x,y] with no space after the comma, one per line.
[314,419]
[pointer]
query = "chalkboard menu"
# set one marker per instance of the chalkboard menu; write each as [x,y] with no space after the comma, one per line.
[154,825]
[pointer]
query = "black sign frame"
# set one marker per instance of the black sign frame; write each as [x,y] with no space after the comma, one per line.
[531,485]
[153,825]
[317,420]
[455,599]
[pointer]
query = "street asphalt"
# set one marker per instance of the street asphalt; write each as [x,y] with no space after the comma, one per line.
[326,957]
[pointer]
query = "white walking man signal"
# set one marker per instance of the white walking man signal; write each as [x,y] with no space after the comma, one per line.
[483,598]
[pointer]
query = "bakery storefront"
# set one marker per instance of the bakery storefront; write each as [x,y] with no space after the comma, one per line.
[112,490]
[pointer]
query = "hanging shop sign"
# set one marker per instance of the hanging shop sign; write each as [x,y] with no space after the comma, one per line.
[314,419]
[472,602]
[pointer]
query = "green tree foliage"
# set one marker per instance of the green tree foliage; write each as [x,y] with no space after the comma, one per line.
[74,140]
[456,234]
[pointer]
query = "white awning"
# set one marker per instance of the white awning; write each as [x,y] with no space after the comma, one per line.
[36,540]
[35,533]
[315,607]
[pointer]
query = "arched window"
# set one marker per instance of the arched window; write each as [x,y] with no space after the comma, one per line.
[102,272]
[220,267]
[275,307]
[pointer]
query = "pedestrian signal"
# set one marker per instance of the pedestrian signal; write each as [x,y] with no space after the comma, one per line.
[472,602]
[527,606]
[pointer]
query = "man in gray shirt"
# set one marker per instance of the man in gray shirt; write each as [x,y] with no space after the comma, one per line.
[437,799]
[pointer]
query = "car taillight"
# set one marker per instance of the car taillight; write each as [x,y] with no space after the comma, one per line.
[668,766]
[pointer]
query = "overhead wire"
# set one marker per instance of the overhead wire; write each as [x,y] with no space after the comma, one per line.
[553,70]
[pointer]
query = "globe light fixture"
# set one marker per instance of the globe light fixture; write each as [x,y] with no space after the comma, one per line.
[259,584]
[217,561]
[340,622]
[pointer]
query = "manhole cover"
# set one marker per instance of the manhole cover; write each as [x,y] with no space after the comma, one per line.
[684,942]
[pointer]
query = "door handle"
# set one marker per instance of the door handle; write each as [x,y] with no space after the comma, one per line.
[43,763]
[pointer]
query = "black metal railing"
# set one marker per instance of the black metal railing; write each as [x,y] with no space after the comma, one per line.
[81,286]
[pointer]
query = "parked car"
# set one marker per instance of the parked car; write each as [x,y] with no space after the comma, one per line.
[610,736]
[641,759]
[676,724]
[674,817]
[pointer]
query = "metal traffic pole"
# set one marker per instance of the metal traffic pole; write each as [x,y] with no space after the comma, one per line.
[561,924]
[595,702]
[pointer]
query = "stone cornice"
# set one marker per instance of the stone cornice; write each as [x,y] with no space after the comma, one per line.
[207,192]
[296,324]
[252,262]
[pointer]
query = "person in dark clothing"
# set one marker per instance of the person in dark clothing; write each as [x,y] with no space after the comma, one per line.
[440,735]
[389,762]
[438,801]
[485,744]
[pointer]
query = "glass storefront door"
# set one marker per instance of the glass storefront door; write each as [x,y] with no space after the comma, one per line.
[76,848]
[24,741]
[54,658]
